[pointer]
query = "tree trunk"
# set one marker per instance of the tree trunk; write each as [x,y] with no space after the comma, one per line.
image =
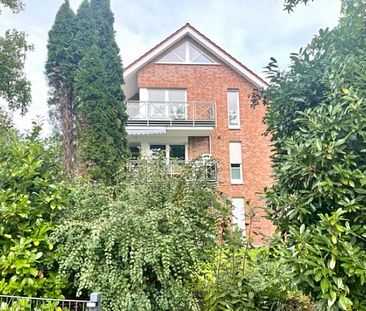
[67,117]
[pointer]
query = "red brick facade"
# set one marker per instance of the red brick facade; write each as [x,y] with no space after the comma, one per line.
[197,146]
[211,83]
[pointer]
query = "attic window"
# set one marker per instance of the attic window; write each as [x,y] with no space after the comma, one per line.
[186,53]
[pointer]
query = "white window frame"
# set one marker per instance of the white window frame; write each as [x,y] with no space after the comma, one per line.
[238,213]
[187,56]
[233,126]
[235,155]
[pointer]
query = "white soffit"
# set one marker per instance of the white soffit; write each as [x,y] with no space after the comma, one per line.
[210,46]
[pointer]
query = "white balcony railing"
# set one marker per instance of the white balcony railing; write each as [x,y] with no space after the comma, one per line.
[150,113]
[175,167]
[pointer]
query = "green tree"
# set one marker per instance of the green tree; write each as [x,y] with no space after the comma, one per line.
[112,61]
[60,71]
[31,196]
[316,115]
[88,40]
[140,241]
[14,86]
[99,158]
[86,31]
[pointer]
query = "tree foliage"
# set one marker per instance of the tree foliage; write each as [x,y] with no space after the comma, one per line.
[99,158]
[316,116]
[291,4]
[30,199]
[14,86]
[101,136]
[74,44]
[110,55]
[60,71]
[140,241]
[15,5]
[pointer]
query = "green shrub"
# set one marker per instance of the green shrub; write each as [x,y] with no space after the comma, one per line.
[244,278]
[140,242]
[317,117]
[30,199]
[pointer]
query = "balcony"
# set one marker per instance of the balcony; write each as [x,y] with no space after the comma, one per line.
[172,114]
[175,167]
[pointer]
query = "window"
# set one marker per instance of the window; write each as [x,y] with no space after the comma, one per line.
[236,172]
[186,53]
[238,213]
[167,104]
[157,150]
[135,152]
[177,152]
[233,109]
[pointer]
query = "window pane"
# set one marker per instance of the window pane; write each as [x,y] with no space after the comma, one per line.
[178,152]
[178,55]
[171,58]
[233,119]
[233,107]
[157,150]
[236,172]
[232,100]
[180,51]
[197,56]
[135,152]
[203,59]
[193,53]
[156,95]
[157,147]
[177,95]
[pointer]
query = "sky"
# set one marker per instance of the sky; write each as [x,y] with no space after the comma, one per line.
[252,31]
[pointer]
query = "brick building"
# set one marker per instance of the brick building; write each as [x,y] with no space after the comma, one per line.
[189,97]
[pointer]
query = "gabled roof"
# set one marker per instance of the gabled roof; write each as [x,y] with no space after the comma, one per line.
[188,30]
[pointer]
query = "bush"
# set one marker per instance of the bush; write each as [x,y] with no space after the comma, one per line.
[245,278]
[317,117]
[140,241]
[30,199]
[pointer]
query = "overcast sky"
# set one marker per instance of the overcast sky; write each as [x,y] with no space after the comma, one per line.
[250,30]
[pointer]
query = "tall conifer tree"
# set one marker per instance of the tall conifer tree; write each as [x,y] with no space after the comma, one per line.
[84,66]
[86,31]
[60,71]
[96,151]
[113,65]
[101,136]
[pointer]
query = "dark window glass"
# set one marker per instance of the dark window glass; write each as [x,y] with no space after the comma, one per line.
[177,152]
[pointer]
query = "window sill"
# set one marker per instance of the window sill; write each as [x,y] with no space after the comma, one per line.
[234,127]
[237,182]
